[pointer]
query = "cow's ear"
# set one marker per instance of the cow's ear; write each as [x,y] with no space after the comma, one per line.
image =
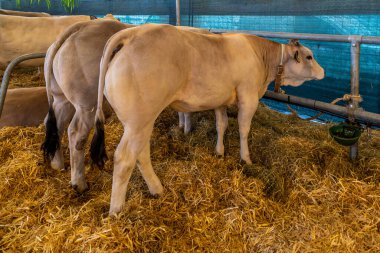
[297,57]
[294,42]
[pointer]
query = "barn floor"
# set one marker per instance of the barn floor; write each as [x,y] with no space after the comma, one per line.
[302,194]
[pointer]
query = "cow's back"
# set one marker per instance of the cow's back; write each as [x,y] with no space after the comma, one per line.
[24,35]
[90,41]
[24,107]
[182,44]
[96,33]
[24,13]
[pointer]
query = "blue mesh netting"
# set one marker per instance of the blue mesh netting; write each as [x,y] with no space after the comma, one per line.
[334,57]
[314,16]
[142,19]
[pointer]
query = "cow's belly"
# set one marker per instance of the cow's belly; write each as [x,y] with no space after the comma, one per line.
[205,101]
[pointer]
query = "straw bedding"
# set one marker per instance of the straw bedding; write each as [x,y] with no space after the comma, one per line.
[302,194]
[24,77]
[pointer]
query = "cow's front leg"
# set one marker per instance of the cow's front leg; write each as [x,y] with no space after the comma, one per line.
[187,128]
[39,75]
[247,108]
[221,119]
[185,121]
[181,117]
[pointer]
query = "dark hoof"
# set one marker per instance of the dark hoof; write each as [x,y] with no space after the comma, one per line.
[244,163]
[148,195]
[155,196]
[219,156]
[78,190]
[75,187]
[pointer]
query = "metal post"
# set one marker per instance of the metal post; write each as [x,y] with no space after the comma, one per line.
[8,71]
[355,68]
[178,12]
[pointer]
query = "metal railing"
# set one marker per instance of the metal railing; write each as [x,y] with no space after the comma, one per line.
[307,36]
[352,111]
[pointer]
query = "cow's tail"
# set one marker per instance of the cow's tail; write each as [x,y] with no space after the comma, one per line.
[51,142]
[97,150]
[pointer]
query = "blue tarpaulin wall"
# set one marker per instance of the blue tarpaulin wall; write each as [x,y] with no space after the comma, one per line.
[314,16]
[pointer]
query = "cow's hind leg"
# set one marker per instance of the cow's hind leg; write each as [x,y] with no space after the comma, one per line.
[221,126]
[55,123]
[146,169]
[131,145]
[64,113]
[181,117]
[78,133]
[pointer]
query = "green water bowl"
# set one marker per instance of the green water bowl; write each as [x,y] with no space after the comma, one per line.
[345,134]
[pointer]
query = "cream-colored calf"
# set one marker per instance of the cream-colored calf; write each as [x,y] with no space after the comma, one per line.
[72,74]
[159,65]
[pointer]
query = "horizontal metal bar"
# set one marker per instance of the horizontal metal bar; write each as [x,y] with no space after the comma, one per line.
[8,71]
[306,36]
[336,110]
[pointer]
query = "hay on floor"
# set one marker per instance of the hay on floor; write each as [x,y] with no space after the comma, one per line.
[25,77]
[302,194]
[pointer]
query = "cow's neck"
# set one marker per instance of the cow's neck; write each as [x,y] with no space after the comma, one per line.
[272,59]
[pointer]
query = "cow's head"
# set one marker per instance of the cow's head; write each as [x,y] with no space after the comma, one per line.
[300,65]
[109,16]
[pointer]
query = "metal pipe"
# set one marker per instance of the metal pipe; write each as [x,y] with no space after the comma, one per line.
[305,36]
[8,71]
[355,68]
[336,110]
[355,72]
[178,12]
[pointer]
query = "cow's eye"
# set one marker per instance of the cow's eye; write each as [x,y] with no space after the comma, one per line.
[309,57]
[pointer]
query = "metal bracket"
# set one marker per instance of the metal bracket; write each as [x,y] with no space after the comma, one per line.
[355,39]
